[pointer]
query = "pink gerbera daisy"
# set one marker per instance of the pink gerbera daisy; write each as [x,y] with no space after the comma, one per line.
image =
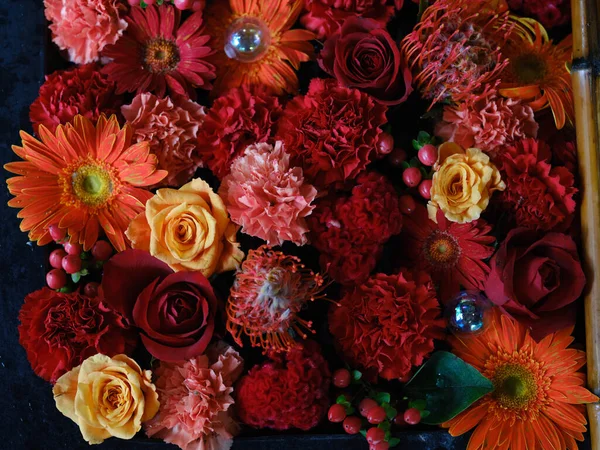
[156,52]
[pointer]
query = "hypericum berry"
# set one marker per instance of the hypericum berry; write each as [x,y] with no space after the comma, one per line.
[198,5]
[341,378]
[91,289]
[352,424]
[102,250]
[365,406]
[412,416]
[134,2]
[56,258]
[337,413]
[428,154]
[71,264]
[385,144]
[407,204]
[412,176]
[56,279]
[376,415]
[425,189]
[375,435]
[399,420]
[381,446]
[397,157]
[58,234]
[182,4]
[73,249]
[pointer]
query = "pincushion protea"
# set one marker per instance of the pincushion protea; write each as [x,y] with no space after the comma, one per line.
[82,178]
[269,291]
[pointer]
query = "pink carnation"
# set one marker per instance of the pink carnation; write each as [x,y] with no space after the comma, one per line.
[267,197]
[171,127]
[195,397]
[85,27]
[487,122]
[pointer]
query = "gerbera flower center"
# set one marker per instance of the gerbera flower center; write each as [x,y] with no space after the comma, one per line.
[515,386]
[161,55]
[247,39]
[92,185]
[529,68]
[441,249]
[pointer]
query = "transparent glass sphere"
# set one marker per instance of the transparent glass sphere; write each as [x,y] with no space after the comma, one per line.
[468,313]
[247,39]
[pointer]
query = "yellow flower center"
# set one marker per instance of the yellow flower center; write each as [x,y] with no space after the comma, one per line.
[515,387]
[92,185]
[161,55]
[441,249]
[529,68]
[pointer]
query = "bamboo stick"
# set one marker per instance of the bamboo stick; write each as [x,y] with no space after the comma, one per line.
[586,93]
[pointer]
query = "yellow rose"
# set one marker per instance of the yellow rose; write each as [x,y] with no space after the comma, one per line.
[189,229]
[463,183]
[107,397]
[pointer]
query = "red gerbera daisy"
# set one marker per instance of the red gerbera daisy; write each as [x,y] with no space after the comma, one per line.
[452,253]
[156,52]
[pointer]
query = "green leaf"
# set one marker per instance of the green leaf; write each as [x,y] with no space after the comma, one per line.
[84,272]
[423,138]
[405,165]
[85,255]
[418,404]
[416,144]
[394,441]
[382,397]
[356,375]
[75,277]
[425,414]
[349,410]
[342,400]
[390,411]
[448,385]
[143,4]
[385,426]
[363,432]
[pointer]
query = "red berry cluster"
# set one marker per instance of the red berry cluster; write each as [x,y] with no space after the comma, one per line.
[194,5]
[72,260]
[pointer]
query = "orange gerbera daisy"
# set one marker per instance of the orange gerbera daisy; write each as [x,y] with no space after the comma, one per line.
[537,403]
[255,45]
[538,71]
[82,178]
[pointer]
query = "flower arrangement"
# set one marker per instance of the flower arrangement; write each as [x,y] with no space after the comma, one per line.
[206,173]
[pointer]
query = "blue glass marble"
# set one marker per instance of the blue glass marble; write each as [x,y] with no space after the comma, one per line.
[247,39]
[468,312]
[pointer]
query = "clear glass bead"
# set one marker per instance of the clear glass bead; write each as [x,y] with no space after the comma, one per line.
[247,39]
[468,313]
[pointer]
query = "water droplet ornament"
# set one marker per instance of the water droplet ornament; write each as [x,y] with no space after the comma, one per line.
[247,39]
[468,313]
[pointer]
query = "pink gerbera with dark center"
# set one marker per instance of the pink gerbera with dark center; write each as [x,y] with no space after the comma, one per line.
[156,52]
[452,253]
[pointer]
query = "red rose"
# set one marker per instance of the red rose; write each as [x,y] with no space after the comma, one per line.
[388,325]
[66,93]
[539,195]
[536,278]
[331,132]
[175,312]
[325,17]
[58,331]
[363,55]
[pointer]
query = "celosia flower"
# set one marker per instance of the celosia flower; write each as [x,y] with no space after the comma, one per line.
[157,52]
[85,27]
[387,325]
[66,93]
[195,400]
[454,51]
[58,331]
[267,197]
[540,196]
[279,50]
[269,291]
[453,254]
[487,122]
[332,132]
[82,178]
[539,392]
[236,120]
[551,13]
[171,127]
[291,391]
[463,183]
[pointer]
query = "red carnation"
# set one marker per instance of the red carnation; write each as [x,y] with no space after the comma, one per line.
[539,195]
[350,231]
[332,132]
[291,391]
[66,93]
[58,331]
[175,311]
[235,121]
[388,324]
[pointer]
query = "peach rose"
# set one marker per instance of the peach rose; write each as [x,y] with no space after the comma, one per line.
[107,397]
[189,229]
[463,183]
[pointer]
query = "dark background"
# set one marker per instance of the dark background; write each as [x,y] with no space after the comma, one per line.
[28,417]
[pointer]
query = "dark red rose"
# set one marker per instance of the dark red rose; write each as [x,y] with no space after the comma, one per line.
[58,331]
[332,132]
[175,312]
[363,55]
[66,93]
[536,278]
